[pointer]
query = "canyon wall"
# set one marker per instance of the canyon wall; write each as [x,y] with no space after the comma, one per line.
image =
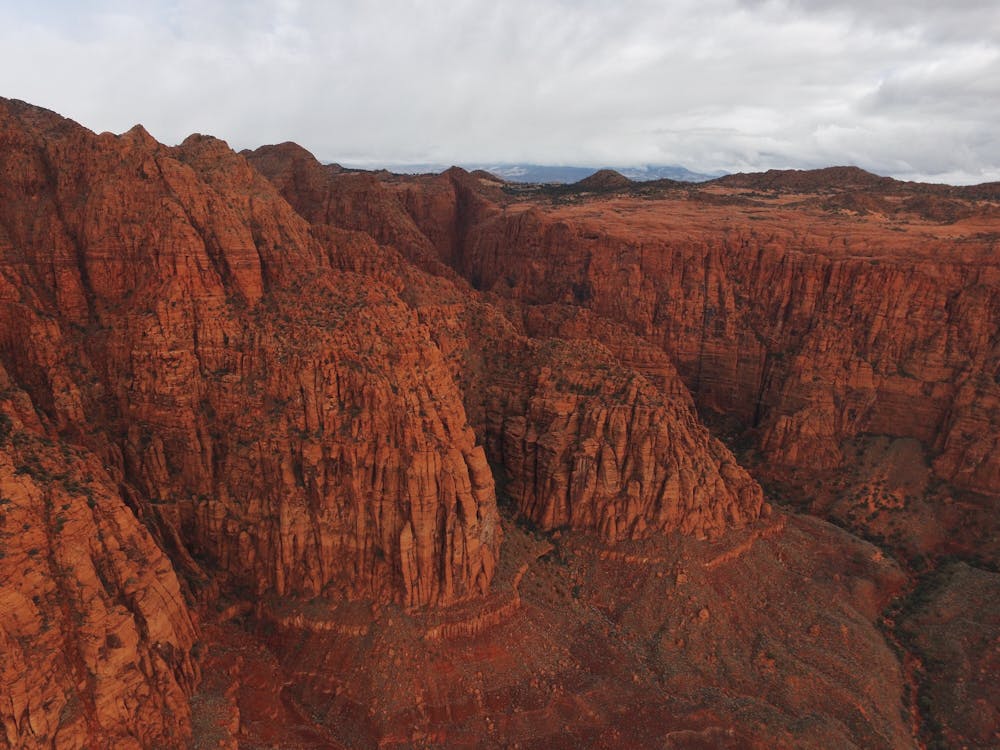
[95,635]
[806,332]
[294,422]
[281,406]
[299,392]
[280,425]
[583,440]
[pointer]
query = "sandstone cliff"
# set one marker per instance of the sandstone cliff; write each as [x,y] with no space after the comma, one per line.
[804,325]
[283,399]
[291,426]
[807,329]
[590,444]
[295,422]
[582,440]
[95,636]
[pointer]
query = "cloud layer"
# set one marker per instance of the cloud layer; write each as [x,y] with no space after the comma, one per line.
[910,89]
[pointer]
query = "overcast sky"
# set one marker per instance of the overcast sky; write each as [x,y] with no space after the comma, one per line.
[909,88]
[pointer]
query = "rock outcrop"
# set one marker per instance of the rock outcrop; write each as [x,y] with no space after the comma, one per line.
[295,423]
[272,405]
[583,441]
[95,636]
[590,444]
[292,427]
[806,328]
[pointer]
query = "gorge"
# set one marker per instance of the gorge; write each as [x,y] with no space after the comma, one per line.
[303,457]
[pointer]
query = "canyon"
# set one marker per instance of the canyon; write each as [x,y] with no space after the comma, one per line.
[299,456]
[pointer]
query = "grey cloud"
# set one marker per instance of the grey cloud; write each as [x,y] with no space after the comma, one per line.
[903,88]
[955,20]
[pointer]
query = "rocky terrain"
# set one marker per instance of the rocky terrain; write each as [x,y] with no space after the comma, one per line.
[297,456]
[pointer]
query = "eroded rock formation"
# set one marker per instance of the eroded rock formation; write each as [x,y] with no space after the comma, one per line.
[584,442]
[256,400]
[95,636]
[292,426]
[804,326]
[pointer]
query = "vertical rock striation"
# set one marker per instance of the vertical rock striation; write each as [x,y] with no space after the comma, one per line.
[583,440]
[804,335]
[95,635]
[292,426]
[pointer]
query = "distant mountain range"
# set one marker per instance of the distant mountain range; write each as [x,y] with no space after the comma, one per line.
[545,173]
[541,173]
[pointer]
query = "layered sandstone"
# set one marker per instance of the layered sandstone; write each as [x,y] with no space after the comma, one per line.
[290,426]
[590,444]
[295,422]
[650,644]
[95,635]
[360,201]
[288,396]
[803,325]
[268,397]
[803,321]
[583,441]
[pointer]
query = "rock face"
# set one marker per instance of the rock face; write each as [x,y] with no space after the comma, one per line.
[268,396]
[94,633]
[590,444]
[295,422]
[583,441]
[360,201]
[272,405]
[290,425]
[801,325]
